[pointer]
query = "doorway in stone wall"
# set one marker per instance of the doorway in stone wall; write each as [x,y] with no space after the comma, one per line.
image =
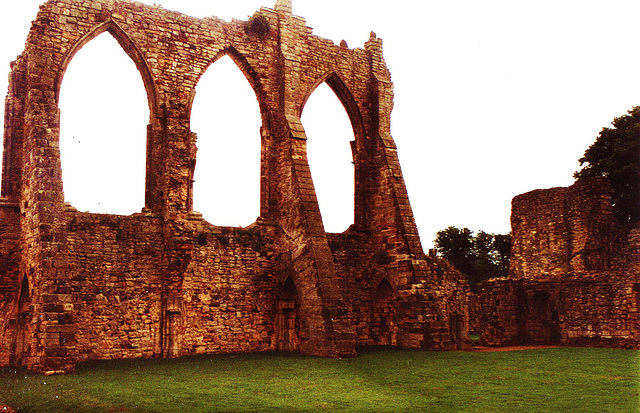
[382,314]
[20,348]
[455,327]
[170,338]
[288,322]
[544,322]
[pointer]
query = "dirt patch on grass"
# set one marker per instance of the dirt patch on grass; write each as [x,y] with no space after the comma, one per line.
[510,348]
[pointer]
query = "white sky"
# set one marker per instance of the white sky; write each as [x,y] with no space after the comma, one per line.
[492,99]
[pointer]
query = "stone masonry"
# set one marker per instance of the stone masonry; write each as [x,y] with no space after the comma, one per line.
[574,276]
[164,282]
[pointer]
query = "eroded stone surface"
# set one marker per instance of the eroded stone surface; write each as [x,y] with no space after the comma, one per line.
[574,275]
[165,283]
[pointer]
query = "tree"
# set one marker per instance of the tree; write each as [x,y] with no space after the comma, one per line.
[456,245]
[502,249]
[479,257]
[615,155]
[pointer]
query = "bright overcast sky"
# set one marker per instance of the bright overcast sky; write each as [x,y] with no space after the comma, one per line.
[492,98]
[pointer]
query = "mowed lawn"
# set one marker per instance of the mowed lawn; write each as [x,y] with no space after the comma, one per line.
[378,380]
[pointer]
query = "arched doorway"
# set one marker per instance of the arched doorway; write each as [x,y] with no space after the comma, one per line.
[288,322]
[544,322]
[382,314]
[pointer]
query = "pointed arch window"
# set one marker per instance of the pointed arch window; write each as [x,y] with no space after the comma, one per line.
[104,113]
[329,135]
[226,117]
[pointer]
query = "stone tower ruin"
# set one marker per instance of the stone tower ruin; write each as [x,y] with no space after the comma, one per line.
[164,282]
[574,277]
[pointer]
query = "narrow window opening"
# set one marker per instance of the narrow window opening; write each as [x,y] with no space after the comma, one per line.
[226,117]
[104,115]
[329,135]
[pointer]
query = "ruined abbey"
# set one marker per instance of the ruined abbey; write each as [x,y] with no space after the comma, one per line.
[164,282]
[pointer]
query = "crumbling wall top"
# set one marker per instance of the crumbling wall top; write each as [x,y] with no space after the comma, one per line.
[562,231]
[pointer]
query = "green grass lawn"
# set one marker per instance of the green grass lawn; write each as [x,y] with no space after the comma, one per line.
[380,380]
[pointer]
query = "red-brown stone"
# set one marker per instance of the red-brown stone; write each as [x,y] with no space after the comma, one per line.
[164,283]
[574,277]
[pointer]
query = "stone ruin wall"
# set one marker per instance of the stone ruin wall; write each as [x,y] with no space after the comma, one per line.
[574,275]
[164,282]
[9,255]
[434,309]
[563,230]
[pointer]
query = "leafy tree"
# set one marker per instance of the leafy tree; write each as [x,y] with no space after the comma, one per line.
[456,245]
[479,257]
[615,155]
[502,250]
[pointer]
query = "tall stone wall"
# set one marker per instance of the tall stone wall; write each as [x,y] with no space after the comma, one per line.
[574,275]
[164,282]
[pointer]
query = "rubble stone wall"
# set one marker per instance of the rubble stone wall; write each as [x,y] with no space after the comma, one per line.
[104,303]
[574,275]
[164,282]
[601,311]
[9,272]
[429,312]
[229,292]
[562,230]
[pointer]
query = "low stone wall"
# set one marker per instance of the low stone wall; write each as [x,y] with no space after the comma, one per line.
[112,298]
[107,303]
[9,252]
[429,312]
[230,292]
[9,276]
[224,302]
[597,309]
